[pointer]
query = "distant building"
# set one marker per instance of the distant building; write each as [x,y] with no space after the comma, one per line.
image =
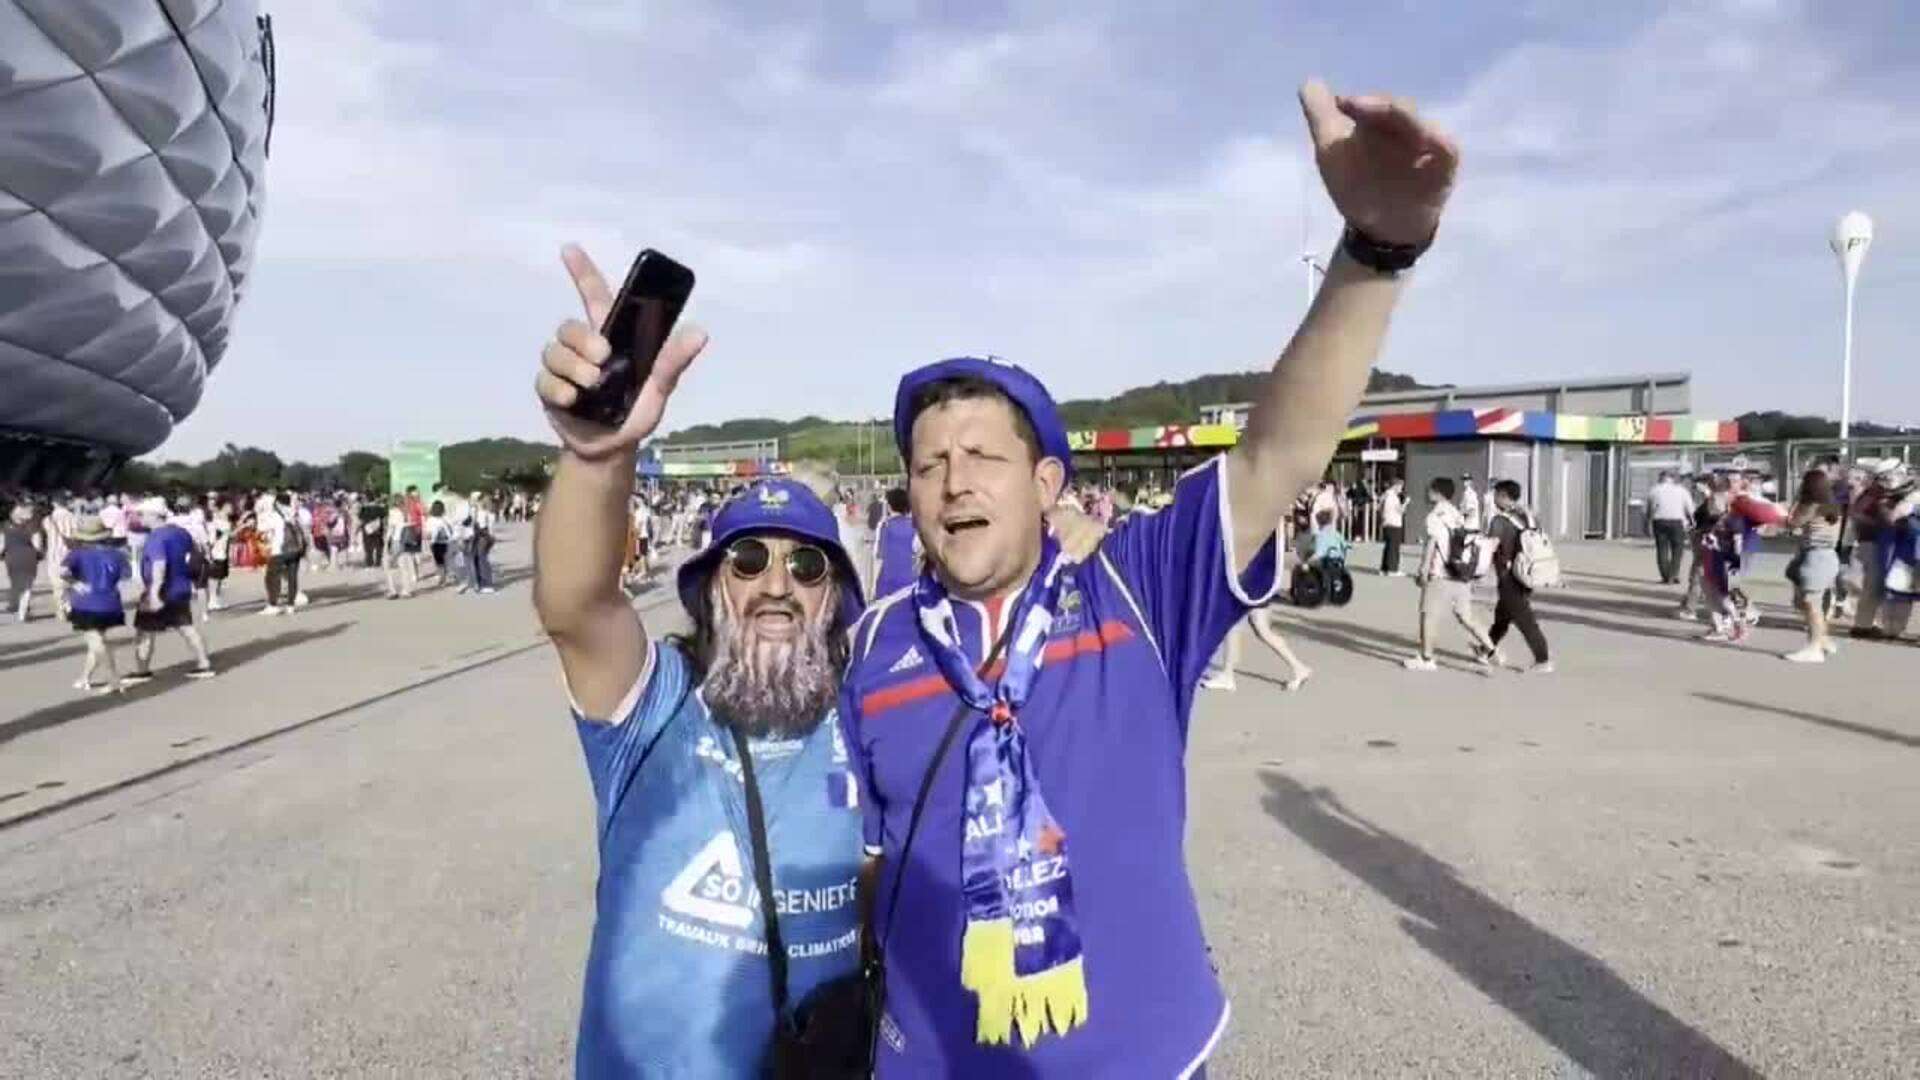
[1567,442]
[718,453]
[1630,395]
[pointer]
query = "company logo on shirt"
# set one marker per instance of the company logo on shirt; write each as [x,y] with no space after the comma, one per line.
[1066,622]
[713,886]
[908,661]
[715,890]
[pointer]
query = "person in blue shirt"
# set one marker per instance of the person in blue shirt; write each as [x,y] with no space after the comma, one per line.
[678,978]
[92,572]
[1045,925]
[896,550]
[166,594]
[1327,541]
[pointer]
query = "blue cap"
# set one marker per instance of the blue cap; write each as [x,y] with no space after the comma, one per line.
[782,506]
[1026,392]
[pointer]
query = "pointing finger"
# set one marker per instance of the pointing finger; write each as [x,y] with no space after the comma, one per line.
[595,296]
[1324,122]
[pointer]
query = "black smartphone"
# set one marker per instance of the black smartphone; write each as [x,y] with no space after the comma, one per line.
[643,315]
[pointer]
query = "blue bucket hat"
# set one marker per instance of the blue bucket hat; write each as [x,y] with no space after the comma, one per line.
[782,506]
[1026,392]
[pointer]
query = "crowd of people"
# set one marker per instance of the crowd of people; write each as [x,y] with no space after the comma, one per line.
[907,797]
[1854,531]
[110,560]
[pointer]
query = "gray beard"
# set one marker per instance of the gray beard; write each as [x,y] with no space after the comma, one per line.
[769,689]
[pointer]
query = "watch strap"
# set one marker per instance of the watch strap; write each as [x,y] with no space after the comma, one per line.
[1378,255]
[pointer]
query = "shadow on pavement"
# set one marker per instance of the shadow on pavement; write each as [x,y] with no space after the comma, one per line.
[1871,732]
[326,596]
[164,679]
[1569,997]
[1648,581]
[1550,613]
[53,650]
[1382,645]
[1638,609]
[1663,594]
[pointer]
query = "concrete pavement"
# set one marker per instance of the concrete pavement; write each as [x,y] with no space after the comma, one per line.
[1669,859]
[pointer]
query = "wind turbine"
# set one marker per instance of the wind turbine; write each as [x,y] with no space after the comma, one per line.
[1308,257]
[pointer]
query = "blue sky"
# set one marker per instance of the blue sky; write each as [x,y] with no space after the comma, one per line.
[1109,193]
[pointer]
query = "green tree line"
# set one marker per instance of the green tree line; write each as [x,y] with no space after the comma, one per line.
[466,466]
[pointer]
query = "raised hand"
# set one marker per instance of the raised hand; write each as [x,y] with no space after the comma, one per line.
[1388,171]
[573,359]
[1080,534]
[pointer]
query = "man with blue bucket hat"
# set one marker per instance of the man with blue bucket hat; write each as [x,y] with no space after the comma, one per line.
[722,786]
[1018,718]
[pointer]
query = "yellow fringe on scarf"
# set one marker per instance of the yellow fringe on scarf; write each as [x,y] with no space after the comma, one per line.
[1054,999]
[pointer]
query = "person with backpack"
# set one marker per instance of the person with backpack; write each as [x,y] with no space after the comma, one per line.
[1449,563]
[271,529]
[1518,567]
[166,571]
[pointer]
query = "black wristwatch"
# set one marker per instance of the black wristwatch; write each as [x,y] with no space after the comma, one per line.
[1377,255]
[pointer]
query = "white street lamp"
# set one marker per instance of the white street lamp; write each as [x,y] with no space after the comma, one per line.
[1851,235]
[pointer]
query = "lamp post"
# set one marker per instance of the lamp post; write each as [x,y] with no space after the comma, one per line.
[1851,236]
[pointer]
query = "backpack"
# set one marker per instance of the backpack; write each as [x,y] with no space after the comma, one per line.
[293,541]
[196,563]
[1899,554]
[1468,555]
[1535,564]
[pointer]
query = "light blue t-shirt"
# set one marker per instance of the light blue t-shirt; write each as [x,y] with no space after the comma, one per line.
[677,976]
[1327,541]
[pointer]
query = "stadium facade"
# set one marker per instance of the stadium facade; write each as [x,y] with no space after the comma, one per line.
[133,148]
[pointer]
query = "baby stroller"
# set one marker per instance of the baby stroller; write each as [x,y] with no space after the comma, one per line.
[1323,579]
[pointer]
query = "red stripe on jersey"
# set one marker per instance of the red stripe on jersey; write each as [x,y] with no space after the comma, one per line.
[1112,632]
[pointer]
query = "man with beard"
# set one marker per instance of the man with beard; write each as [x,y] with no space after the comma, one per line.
[677,980]
[1039,921]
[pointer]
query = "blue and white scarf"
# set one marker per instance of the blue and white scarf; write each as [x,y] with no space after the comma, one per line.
[1020,954]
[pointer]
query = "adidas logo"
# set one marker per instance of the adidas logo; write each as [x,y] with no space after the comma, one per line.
[907,662]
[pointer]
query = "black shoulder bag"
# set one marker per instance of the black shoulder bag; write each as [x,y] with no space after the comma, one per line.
[834,1033]
[827,1036]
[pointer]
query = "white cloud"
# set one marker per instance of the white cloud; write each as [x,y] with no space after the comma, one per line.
[879,188]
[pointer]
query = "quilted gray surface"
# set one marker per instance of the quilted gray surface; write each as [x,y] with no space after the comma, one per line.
[132,150]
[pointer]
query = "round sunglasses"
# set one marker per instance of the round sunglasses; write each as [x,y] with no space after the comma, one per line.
[806,564]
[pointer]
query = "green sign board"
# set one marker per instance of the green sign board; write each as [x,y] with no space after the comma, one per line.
[415,463]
